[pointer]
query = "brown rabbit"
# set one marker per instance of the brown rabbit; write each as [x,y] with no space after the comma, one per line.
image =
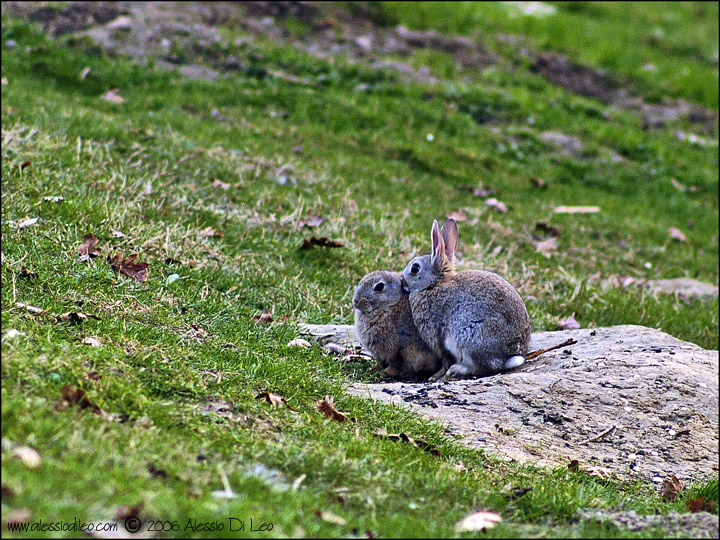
[385,327]
[474,320]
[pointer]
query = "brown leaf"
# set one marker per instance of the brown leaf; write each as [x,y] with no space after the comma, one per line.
[417,443]
[700,504]
[77,396]
[129,267]
[311,220]
[671,488]
[538,182]
[274,399]
[574,465]
[29,456]
[25,164]
[458,215]
[478,521]
[112,96]
[32,309]
[569,324]
[76,317]
[321,242]
[546,247]
[546,229]
[576,209]
[92,341]
[265,317]
[676,234]
[598,472]
[7,491]
[327,407]
[223,185]
[497,205]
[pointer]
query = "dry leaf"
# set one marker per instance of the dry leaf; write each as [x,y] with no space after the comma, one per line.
[92,341]
[322,242]
[7,491]
[299,342]
[265,317]
[209,231]
[329,517]
[335,348]
[458,215]
[576,209]
[599,472]
[27,222]
[497,205]
[311,220]
[676,234]
[327,407]
[76,317]
[112,96]
[271,398]
[418,443]
[574,465]
[485,519]
[569,324]
[25,164]
[538,182]
[32,309]
[223,185]
[129,267]
[671,488]
[29,456]
[77,396]
[87,249]
[700,504]
[547,229]
[546,247]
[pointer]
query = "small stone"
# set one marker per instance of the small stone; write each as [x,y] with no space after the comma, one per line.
[299,342]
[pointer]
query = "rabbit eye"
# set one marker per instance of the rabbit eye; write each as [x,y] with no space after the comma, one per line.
[380,286]
[415,268]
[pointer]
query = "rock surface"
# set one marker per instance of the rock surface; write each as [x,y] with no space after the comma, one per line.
[653,396]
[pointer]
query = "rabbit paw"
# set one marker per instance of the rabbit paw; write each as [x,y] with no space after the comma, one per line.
[437,376]
[457,372]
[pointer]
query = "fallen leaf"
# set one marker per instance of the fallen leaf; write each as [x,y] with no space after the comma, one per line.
[700,504]
[574,465]
[311,220]
[458,215]
[547,229]
[76,316]
[418,443]
[329,517]
[157,472]
[274,399]
[322,242]
[517,492]
[335,348]
[538,182]
[546,247]
[77,396]
[485,519]
[32,309]
[87,249]
[27,222]
[209,231]
[299,342]
[576,209]
[92,341]
[676,234]
[29,456]
[129,267]
[223,185]
[265,317]
[7,491]
[25,164]
[497,205]
[599,472]
[112,96]
[569,324]
[327,407]
[671,488]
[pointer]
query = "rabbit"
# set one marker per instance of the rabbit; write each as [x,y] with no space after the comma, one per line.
[385,327]
[474,320]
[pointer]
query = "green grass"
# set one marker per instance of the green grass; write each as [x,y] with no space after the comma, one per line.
[183,360]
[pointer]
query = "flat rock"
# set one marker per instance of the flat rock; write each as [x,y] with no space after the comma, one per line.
[654,396]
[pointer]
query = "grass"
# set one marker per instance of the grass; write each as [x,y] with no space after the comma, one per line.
[182,360]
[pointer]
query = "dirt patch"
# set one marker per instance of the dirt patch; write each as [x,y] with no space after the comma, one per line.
[652,398]
[674,525]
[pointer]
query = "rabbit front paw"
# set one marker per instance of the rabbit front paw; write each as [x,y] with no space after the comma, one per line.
[457,372]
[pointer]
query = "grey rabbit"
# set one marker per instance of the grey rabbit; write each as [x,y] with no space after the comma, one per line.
[385,327]
[474,320]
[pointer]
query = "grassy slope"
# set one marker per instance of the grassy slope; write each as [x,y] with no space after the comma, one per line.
[146,168]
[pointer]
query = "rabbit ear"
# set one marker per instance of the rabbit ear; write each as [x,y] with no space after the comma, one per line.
[438,257]
[450,236]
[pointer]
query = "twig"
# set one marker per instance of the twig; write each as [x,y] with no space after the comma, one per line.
[537,353]
[599,436]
